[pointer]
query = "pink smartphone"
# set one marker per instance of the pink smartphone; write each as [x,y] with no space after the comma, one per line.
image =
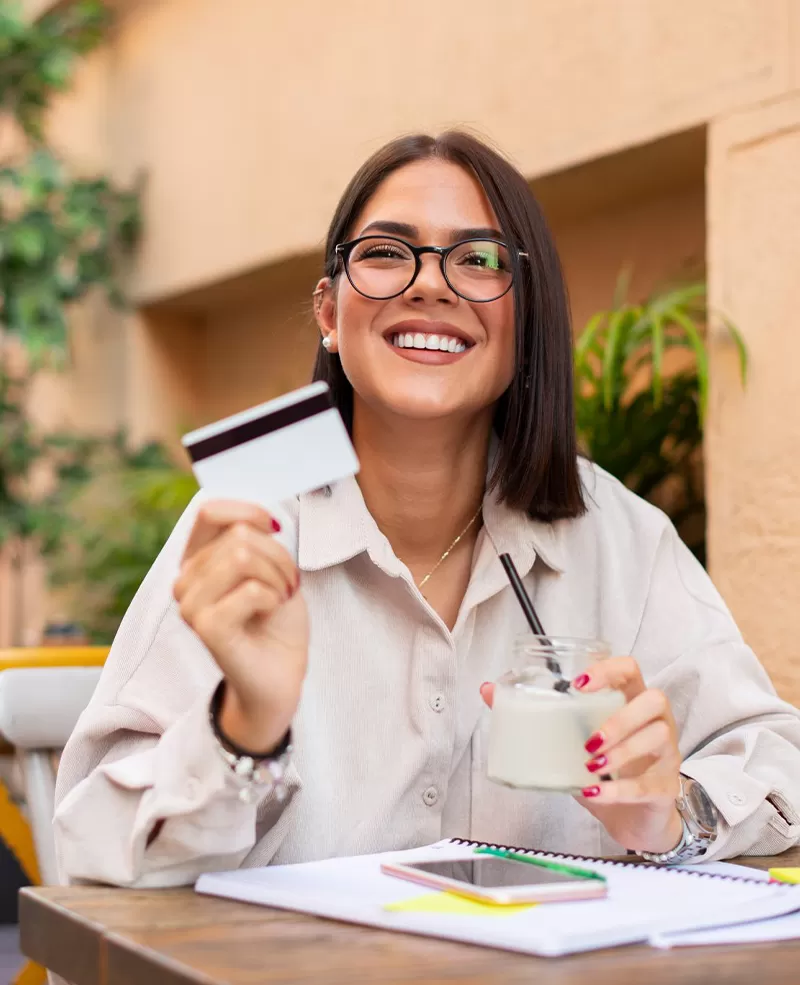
[499,880]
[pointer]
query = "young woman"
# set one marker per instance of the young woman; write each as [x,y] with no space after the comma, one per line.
[445,338]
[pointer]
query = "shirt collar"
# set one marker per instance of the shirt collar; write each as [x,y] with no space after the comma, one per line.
[335,525]
[514,532]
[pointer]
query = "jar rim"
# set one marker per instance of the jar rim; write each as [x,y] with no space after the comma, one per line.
[530,642]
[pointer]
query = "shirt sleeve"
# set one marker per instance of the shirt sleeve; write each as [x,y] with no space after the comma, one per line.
[143,758]
[738,739]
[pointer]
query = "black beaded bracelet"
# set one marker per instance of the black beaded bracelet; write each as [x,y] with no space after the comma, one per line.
[216,705]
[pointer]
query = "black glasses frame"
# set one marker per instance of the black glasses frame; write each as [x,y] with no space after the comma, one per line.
[343,251]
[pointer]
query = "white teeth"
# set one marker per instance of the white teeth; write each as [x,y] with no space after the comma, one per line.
[440,343]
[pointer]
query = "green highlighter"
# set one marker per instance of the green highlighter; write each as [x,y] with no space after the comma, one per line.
[569,870]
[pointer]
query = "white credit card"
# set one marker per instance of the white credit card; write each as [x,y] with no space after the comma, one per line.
[276,451]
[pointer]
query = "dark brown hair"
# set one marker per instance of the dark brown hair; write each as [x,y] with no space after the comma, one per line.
[536,469]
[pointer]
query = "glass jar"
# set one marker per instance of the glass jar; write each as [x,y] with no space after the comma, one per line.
[538,731]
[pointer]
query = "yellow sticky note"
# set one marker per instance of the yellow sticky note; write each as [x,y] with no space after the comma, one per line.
[457,905]
[785,875]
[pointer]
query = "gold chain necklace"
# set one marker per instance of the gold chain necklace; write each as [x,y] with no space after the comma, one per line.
[446,554]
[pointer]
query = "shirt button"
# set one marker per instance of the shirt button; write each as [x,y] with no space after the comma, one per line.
[737,799]
[430,796]
[192,788]
[437,702]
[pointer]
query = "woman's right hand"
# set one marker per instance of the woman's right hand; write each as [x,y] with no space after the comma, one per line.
[238,590]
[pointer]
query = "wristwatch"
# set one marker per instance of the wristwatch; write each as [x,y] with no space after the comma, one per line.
[700,825]
[260,773]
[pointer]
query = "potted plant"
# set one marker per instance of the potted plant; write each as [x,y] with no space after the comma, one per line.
[641,380]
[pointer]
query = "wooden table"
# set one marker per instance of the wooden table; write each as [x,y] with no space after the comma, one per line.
[98,936]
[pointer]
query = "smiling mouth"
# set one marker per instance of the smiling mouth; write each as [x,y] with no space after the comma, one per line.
[432,342]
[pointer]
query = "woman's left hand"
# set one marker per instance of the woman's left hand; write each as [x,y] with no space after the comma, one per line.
[639,745]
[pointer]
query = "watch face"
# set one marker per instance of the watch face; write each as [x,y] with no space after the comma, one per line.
[700,805]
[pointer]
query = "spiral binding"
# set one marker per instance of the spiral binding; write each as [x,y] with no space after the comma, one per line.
[562,856]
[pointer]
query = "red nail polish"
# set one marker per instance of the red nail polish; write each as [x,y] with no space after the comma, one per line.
[276,526]
[594,743]
[581,681]
[590,791]
[597,763]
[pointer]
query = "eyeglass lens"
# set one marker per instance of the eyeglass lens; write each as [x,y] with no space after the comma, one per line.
[382,267]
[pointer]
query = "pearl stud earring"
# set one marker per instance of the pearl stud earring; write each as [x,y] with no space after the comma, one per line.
[326,342]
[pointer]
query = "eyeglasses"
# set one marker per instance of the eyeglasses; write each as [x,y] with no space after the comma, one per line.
[383,267]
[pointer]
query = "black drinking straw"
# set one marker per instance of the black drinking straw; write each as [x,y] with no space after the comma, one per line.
[526,604]
[522,596]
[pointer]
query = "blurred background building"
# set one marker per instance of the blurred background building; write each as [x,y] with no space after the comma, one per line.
[661,136]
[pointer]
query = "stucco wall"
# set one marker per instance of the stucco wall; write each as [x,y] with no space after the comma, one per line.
[248,118]
[216,351]
[754,436]
[234,108]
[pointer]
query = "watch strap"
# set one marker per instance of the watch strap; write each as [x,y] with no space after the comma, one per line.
[688,848]
[695,839]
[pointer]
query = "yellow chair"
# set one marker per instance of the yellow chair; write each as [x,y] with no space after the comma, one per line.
[43,691]
[52,656]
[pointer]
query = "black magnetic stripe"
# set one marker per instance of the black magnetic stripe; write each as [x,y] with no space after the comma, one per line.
[257,428]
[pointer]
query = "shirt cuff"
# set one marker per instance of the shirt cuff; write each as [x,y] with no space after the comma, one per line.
[185,771]
[749,821]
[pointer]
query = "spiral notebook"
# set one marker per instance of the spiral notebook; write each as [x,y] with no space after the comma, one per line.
[644,903]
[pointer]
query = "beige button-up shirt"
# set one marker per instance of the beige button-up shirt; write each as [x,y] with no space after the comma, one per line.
[390,736]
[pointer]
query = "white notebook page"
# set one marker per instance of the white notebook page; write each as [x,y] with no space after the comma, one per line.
[642,902]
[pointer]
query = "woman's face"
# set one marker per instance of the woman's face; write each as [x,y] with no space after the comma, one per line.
[430,203]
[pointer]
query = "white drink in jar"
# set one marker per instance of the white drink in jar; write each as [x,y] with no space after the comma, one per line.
[538,734]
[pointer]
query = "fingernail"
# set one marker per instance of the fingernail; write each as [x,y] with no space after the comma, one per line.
[590,791]
[276,526]
[581,681]
[597,763]
[594,742]
[485,684]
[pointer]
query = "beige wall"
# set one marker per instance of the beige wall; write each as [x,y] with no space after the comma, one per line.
[248,118]
[753,442]
[218,350]
[655,240]
[233,108]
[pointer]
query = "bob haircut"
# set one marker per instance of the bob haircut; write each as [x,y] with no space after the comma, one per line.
[536,469]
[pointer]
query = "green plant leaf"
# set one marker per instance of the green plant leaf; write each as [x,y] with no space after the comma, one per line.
[691,296]
[617,322]
[657,356]
[701,356]
[56,68]
[621,287]
[587,340]
[25,242]
[739,342]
